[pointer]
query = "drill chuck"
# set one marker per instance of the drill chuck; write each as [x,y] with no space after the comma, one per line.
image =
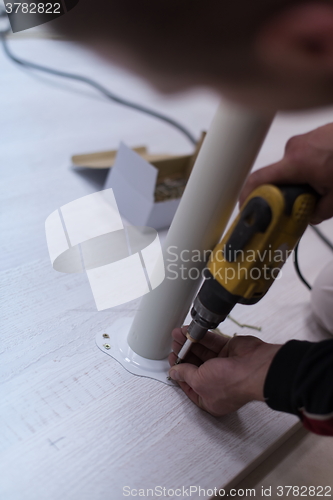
[203,317]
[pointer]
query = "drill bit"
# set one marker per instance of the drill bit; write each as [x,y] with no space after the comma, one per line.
[183,352]
[195,333]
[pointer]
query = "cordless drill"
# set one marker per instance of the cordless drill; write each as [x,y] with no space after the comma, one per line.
[246,262]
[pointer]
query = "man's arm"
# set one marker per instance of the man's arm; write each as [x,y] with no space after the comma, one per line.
[308,159]
[223,375]
[300,381]
[297,378]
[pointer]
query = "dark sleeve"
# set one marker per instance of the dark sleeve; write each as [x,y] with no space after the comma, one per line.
[300,381]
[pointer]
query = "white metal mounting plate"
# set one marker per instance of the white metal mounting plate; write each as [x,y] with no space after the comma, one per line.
[113,341]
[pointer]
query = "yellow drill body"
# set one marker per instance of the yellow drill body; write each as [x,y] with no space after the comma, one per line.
[246,262]
[265,252]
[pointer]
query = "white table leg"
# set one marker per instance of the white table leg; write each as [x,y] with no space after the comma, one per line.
[225,159]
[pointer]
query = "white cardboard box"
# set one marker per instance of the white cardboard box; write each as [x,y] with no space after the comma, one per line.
[133,181]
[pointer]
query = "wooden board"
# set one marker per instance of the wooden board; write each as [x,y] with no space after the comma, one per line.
[106,159]
[73,423]
[102,159]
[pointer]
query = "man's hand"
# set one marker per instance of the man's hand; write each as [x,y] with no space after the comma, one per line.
[308,159]
[222,374]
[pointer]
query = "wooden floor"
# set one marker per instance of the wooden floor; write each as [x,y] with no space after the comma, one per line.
[74,424]
[303,462]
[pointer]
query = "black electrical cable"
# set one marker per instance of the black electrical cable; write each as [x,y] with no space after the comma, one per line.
[323,237]
[298,271]
[296,263]
[107,93]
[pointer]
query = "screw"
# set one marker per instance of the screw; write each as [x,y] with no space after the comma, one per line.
[106,336]
[107,346]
